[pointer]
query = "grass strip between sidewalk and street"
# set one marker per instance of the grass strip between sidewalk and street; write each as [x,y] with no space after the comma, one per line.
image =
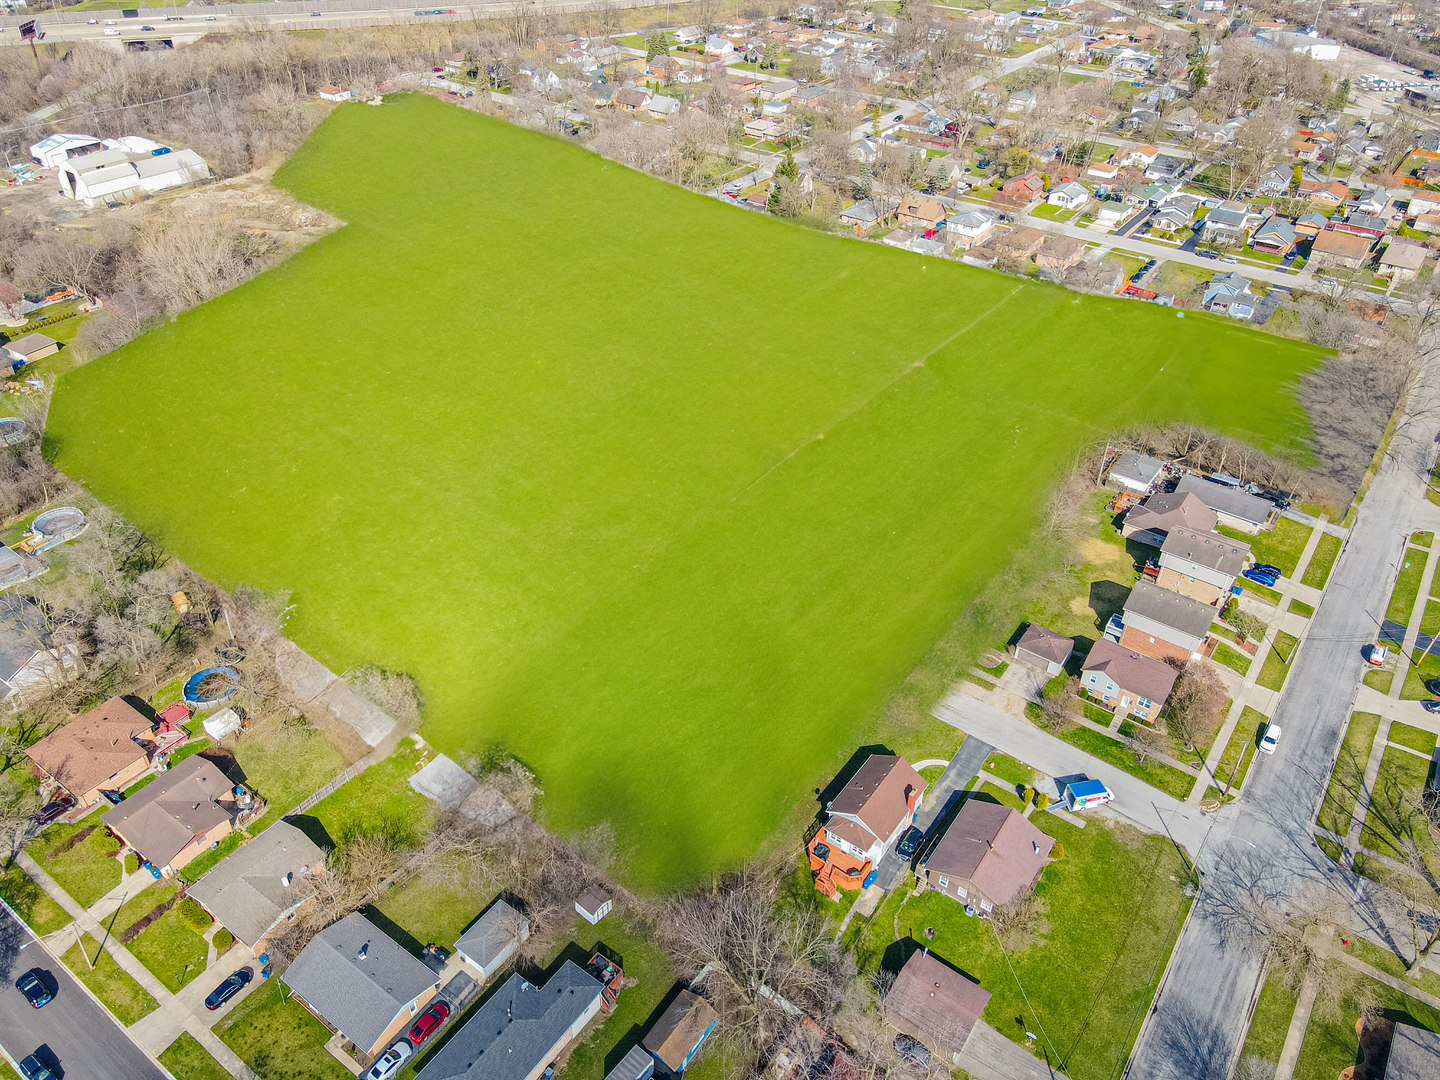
[1338,807]
[1278,661]
[1407,586]
[1321,562]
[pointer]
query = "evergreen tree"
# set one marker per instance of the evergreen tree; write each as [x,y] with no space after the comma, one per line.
[866,182]
[787,169]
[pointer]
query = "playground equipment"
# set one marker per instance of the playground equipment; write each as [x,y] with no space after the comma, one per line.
[211,686]
[53,526]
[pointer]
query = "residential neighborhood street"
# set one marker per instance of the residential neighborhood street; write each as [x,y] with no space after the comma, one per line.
[83,1038]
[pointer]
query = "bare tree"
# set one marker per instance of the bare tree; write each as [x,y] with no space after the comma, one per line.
[1196,701]
[1146,742]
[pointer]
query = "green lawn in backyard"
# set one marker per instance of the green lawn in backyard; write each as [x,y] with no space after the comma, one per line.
[1114,907]
[121,994]
[1407,585]
[32,903]
[1386,826]
[1338,806]
[434,905]
[186,1059]
[1330,1047]
[86,871]
[1281,546]
[1413,737]
[284,766]
[278,1039]
[173,952]
[1278,661]
[1232,658]
[1270,1022]
[1317,571]
[1243,740]
[379,799]
[1167,778]
[1299,607]
[633,540]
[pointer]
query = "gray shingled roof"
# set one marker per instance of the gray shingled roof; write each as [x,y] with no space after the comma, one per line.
[22,629]
[492,933]
[1137,468]
[1170,609]
[1207,549]
[516,1030]
[1227,500]
[636,1065]
[1414,1054]
[359,996]
[248,891]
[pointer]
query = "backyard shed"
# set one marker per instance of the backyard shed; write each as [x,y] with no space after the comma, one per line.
[1135,472]
[680,1032]
[30,348]
[492,939]
[635,1065]
[593,904]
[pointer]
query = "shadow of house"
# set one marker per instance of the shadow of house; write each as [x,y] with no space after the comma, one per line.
[313,828]
[847,773]
[1107,598]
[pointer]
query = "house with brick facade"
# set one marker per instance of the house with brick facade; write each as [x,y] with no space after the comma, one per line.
[1127,681]
[1162,624]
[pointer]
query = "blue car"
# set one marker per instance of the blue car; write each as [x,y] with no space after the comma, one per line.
[1266,568]
[1260,577]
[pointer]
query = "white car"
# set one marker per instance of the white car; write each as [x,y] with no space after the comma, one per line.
[110,31]
[391,1062]
[1270,738]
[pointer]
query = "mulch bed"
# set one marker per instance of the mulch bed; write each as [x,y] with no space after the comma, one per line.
[135,929]
[74,838]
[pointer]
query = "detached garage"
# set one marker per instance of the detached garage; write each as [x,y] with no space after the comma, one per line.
[30,348]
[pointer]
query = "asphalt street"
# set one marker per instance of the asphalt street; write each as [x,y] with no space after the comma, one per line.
[80,1036]
[1199,1017]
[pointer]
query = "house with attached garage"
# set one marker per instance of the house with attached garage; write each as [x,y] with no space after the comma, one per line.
[358,981]
[1235,508]
[28,349]
[987,856]
[1275,237]
[680,1033]
[1402,261]
[1164,625]
[861,822]
[520,1030]
[920,211]
[934,1003]
[105,749]
[262,884]
[967,227]
[1150,522]
[1044,649]
[1127,681]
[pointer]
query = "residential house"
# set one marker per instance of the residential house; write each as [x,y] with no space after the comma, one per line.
[1276,181]
[1022,101]
[1234,507]
[1020,190]
[1169,218]
[1227,223]
[688,35]
[181,813]
[520,1030]
[1360,224]
[1183,121]
[719,46]
[28,656]
[863,216]
[331,92]
[920,211]
[1427,223]
[1068,196]
[490,941]
[987,856]
[1309,225]
[1150,522]
[593,904]
[1201,565]
[811,97]
[1331,193]
[105,749]
[766,130]
[1104,170]
[681,1031]
[863,820]
[1143,156]
[1125,680]
[28,349]
[934,1003]
[635,1065]
[1414,1054]
[1044,649]
[664,68]
[969,226]
[1165,168]
[631,99]
[1229,294]
[1061,253]
[1021,243]
[358,981]
[1163,624]
[1402,261]
[1135,471]
[1275,237]
[1342,250]
[662,107]
[262,885]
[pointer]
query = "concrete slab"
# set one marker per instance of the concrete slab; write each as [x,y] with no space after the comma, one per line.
[367,719]
[444,782]
[306,677]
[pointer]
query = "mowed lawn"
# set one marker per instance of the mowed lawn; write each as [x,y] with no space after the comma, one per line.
[663,496]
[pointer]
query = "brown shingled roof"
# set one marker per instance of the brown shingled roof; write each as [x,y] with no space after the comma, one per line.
[934,1001]
[993,846]
[163,817]
[680,1029]
[1161,513]
[93,747]
[879,794]
[1141,675]
[1046,643]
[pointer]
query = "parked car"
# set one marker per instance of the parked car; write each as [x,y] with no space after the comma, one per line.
[210,18]
[229,988]
[1377,655]
[429,1022]
[1229,259]
[53,809]
[909,841]
[33,987]
[1268,569]
[912,1050]
[1207,254]
[1270,738]
[1260,577]
[32,1068]
[92,22]
[391,1062]
[1431,706]
[150,28]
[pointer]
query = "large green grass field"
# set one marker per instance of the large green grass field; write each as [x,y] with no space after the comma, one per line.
[664,496]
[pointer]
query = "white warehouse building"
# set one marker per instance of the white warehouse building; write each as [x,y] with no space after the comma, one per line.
[57,149]
[114,174]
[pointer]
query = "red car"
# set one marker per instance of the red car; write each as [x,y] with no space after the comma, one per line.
[429,1021]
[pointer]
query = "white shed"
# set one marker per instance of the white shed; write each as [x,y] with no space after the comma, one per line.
[57,149]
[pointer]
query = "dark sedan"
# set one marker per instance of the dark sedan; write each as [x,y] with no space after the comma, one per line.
[909,841]
[32,985]
[229,988]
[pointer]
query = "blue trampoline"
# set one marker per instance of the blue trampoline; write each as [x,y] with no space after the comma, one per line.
[192,693]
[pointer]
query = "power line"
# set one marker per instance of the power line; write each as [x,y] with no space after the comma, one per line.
[113,108]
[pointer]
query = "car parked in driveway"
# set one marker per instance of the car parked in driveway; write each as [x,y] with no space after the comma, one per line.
[1431,706]
[53,809]
[1270,738]
[229,988]
[389,1064]
[429,1022]
[32,985]
[1261,577]
[909,841]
